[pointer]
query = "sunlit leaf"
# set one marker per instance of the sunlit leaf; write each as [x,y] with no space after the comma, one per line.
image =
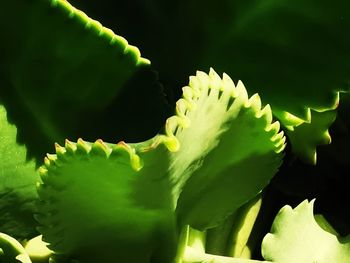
[297,237]
[220,133]
[11,251]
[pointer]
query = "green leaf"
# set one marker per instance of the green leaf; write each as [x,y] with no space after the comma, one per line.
[107,203]
[307,136]
[220,133]
[61,71]
[11,251]
[37,250]
[295,54]
[18,178]
[296,237]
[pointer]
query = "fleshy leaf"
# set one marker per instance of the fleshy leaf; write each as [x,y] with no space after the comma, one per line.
[107,203]
[18,178]
[37,250]
[307,136]
[220,133]
[296,237]
[11,251]
[293,53]
[61,70]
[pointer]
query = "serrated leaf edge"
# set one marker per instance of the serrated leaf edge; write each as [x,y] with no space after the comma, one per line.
[204,83]
[100,31]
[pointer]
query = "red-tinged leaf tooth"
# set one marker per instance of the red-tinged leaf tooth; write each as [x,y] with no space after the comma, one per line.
[83,148]
[60,151]
[123,144]
[99,148]
[120,152]
[70,147]
[126,147]
[123,148]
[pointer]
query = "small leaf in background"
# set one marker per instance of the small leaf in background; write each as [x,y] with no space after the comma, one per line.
[307,136]
[297,237]
[18,178]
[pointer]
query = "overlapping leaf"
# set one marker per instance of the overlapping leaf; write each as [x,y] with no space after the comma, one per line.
[228,149]
[294,54]
[61,70]
[296,237]
[18,178]
[103,202]
[209,142]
